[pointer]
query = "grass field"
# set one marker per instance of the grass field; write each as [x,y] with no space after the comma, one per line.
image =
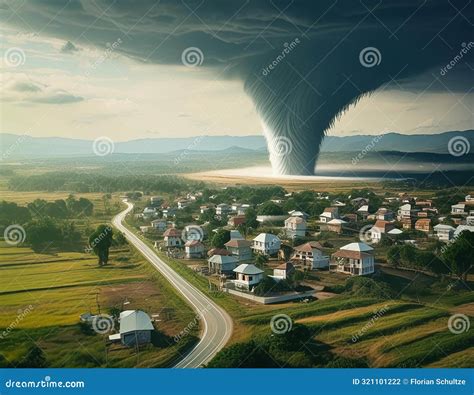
[55,289]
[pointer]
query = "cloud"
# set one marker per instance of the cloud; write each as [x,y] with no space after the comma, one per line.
[20,88]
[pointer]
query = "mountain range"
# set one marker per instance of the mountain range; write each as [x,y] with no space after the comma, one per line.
[14,146]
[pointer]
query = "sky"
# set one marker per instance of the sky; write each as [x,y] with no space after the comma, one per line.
[55,87]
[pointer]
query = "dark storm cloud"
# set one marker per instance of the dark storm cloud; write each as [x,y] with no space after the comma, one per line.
[300,61]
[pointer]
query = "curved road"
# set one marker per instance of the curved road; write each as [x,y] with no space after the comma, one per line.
[217,323]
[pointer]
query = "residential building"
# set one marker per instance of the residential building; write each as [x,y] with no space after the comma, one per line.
[384,214]
[363,211]
[222,264]
[295,227]
[310,254]
[423,225]
[183,204]
[135,328]
[444,232]
[355,259]
[159,224]
[156,200]
[223,209]
[236,220]
[247,276]
[266,244]
[193,249]
[336,225]
[283,271]
[242,209]
[240,248]
[458,209]
[360,201]
[380,227]
[168,212]
[297,213]
[328,214]
[149,212]
[172,238]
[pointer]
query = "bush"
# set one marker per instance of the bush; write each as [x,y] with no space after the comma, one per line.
[368,287]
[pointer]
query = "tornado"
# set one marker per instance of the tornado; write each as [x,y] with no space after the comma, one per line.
[302,62]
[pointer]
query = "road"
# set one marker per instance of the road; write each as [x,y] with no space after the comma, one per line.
[217,324]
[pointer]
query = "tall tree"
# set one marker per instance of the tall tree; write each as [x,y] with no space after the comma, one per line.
[459,254]
[100,241]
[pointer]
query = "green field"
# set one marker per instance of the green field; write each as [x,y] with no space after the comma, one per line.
[55,289]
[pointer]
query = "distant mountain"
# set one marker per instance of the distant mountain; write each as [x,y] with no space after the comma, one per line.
[14,146]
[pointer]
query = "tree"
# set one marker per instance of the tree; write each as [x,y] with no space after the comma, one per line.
[459,254]
[261,260]
[42,232]
[221,237]
[270,208]
[251,218]
[100,241]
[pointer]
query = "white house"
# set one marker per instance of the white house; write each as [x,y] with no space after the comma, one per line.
[444,232]
[240,248]
[355,259]
[182,204]
[458,209]
[283,271]
[193,249]
[363,211]
[222,264]
[470,220]
[243,208]
[381,227]
[297,213]
[135,328]
[404,212]
[384,214]
[266,244]
[247,276]
[328,214]
[149,212]
[295,227]
[159,224]
[310,255]
[336,225]
[172,238]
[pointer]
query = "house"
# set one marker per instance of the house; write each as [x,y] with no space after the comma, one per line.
[218,251]
[223,209]
[242,209]
[283,271]
[156,200]
[240,248]
[337,203]
[182,204]
[336,225]
[328,214]
[144,228]
[359,202]
[363,211]
[172,238]
[458,209]
[236,220]
[266,244]
[297,213]
[169,212]
[408,223]
[395,232]
[469,198]
[135,328]
[309,254]
[159,224]
[205,207]
[350,217]
[380,227]
[222,264]
[193,249]
[149,212]
[444,232]
[295,227]
[470,220]
[406,212]
[423,225]
[384,214]
[247,276]
[356,259]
